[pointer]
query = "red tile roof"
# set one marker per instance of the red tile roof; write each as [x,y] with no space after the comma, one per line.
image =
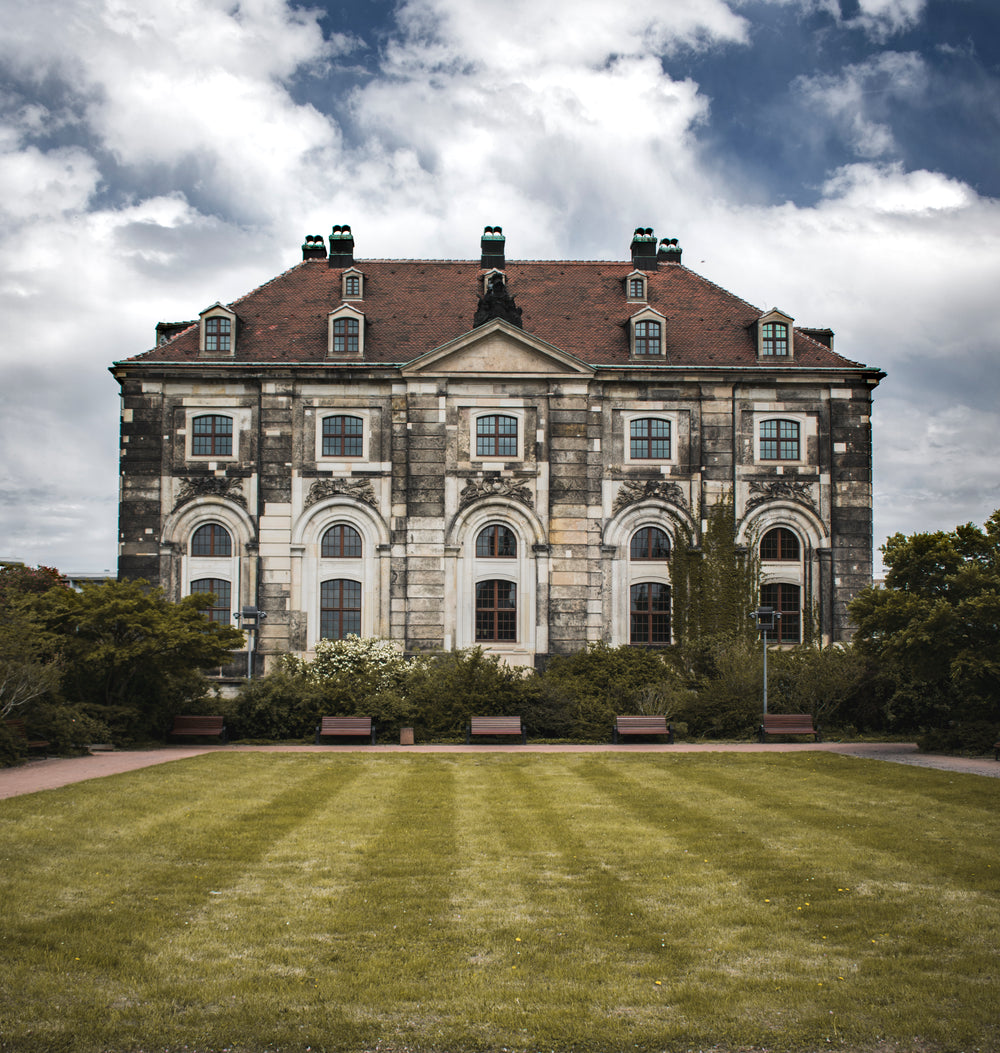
[414,306]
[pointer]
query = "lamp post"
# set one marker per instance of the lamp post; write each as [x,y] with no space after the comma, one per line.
[767,621]
[250,619]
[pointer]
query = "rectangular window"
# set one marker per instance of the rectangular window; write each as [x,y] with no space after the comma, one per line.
[647,338]
[779,440]
[217,334]
[496,610]
[343,436]
[212,436]
[636,288]
[352,285]
[649,439]
[345,336]
[496,436]
[784,599]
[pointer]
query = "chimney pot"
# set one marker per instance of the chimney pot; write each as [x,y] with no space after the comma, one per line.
[492,246]
[341,246]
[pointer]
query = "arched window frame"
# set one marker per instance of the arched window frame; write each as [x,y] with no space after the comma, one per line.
[783,546]
[342,343]
[341,541]
[208,538]
[643,347]
[780,438]
[342,618]
[217,332]
[350,433]
[775,337]
[496,452]
[649,544]
[653,443]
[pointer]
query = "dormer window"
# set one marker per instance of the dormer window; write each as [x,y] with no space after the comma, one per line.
[347,333]
[646,334]
[217,332]
[353,285]
[774,336]
[635,286]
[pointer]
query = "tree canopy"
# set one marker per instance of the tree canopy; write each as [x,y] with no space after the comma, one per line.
[935,627]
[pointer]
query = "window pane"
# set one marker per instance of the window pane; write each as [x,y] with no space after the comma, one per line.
[341,542]
[211,540]
[649,438]
[352,285]
[212,436]
[774,339]
[496,542]
[217,334]
[340,609]
[496,610]
[345,335]
[647,338]
[496,436]
[785,599]
[343,436]
[220,609]
[779,544]
[650,614]
[635,288]
[779,440]
[650,543]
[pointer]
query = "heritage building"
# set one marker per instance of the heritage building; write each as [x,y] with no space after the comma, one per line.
[490,451]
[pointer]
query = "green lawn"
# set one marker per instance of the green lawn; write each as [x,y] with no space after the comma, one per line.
[539,902]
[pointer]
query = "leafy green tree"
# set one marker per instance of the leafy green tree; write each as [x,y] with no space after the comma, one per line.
[935,627]
[132,657]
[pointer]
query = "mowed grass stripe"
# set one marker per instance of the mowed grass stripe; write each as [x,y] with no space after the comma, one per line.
[518,900]
[861,907]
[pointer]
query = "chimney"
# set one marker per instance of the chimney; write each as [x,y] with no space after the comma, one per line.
[670,251]
[341,247]
[314,247]
[643,249]
[492,247]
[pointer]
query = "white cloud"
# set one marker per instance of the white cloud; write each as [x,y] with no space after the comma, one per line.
[556,120]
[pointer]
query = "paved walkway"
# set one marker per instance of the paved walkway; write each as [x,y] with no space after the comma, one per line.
[60,771]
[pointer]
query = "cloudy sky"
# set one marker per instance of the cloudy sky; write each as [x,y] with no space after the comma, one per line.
[834,158]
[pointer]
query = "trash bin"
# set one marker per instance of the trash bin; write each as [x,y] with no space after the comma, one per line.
[406,736]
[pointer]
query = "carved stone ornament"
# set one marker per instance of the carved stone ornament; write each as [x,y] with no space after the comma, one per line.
[631,493]
[475,489]
[211,486]
[497,303]
[357,489]
[783,489]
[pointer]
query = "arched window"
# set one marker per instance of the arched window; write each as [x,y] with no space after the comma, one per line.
[212,436]
[496,542]
[774,339]
[779,544]
[341,542]
[339,609]
[649,438]
[343,436]
[779,440]
[785,599]
[220,610]
[649,611]
[496,610]
[345,336]
[211,540]
[496,436]
[650,543]
[647,338]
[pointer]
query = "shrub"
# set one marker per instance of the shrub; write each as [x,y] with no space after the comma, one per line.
[283,704]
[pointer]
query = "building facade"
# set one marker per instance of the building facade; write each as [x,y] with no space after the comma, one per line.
[490,452]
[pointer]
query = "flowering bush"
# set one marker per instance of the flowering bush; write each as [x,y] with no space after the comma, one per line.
[375,663]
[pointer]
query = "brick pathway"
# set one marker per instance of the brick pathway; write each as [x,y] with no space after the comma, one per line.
[50,774]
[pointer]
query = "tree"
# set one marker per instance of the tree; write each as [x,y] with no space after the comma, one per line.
[935,627]
[132,656]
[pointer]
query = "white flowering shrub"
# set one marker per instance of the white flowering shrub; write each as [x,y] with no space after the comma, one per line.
[375,662]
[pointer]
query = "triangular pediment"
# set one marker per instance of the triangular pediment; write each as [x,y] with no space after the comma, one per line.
[497,349]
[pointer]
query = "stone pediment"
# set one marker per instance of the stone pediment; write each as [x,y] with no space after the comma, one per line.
[497,349]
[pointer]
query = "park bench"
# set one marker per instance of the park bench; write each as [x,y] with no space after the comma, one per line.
[19,730]
[496,726]
[789,724]
[200,727]
[642,726]
[354,727]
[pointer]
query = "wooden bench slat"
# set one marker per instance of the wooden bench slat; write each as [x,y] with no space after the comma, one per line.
[789,724]
[356,727]
[496,726]
[642,725]
[187,726]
